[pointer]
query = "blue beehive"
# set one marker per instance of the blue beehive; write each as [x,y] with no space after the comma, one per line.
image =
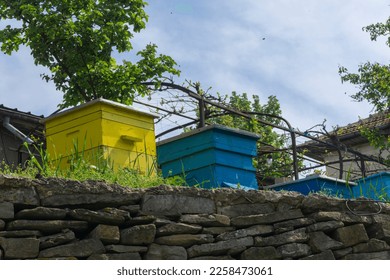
[318,183]
[212,156]
[375,186]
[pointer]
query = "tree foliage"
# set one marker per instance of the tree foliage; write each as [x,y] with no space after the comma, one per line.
[373,82]
[372,79]
[76,40]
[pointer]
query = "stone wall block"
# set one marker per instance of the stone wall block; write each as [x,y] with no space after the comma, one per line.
[320,242]
[97,217]
[294,250]
[164,252]
[351,235]
[175,205]
[138,235]
[49,226]
[246,209]
[6,210]
[79,249]
[218,248]
[2,225]
[251,231]
[373,245]
[184,240]
[20,248]
[326,255]
[106,233]
[325,226]
[122,256]
[261,253]
[64,237]
[245,221]
[19,191]
[294,236]
[178,228]
[212,220]
[42,213]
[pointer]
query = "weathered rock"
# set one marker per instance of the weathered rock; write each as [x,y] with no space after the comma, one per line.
[184,240]
[317,202]
[214,258]
[18,191]
[236,250]
[132,209]
[380,231]
[369,256]
[373,245]
[138,235]
[326,255]
[64,237]
[261,253]
[106,233]
[246,209]
[97,217]
[294,250]
[325,226]
[178,228]
[293,224]
[80,249]
[294,236]
[6,210]
[97,194]
[320,242]
[42,213]
[244,221]
[342,252]
[163,252]
[175,205]
[212,220]
[47,225]
[351,235]
[2,224]
[20,233]
[122,256]
[217,230]
[251,231]
[218,248]
[347,217]
[20,248]
[125,249]
[141,220]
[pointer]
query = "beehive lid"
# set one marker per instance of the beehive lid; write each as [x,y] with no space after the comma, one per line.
[103,101]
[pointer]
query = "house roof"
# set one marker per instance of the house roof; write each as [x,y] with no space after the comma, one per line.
[24,121]
[348,135]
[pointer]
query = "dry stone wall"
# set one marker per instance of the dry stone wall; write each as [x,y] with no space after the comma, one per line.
[60,219]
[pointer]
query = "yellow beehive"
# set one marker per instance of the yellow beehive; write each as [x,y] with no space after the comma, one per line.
[104,129]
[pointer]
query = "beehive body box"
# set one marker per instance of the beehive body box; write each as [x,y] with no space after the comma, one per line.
[210,157]
[376,186]
[122,134]
[318,183]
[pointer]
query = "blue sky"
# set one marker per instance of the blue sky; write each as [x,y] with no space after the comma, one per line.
[288,48]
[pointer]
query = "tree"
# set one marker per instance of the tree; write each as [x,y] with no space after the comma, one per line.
[373,82]
[76,40]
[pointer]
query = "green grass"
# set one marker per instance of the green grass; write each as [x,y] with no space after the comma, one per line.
[80,168]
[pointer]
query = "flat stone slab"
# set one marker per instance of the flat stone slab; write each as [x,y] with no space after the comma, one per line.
[261,253]
[138,235]
[175,205]
[20,233]
[178,228]
[184,240]
[78,249]
[42,213]
[97,217]
[211,220]
[163,252]
[64,237]
[246,209]
[244,221]
[19,191]
[251,231]
[298,235]
[106,233]
[218,248]
[47,225]
[125,249]
[60,192]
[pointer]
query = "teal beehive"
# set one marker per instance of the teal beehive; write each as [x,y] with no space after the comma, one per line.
[212,156]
